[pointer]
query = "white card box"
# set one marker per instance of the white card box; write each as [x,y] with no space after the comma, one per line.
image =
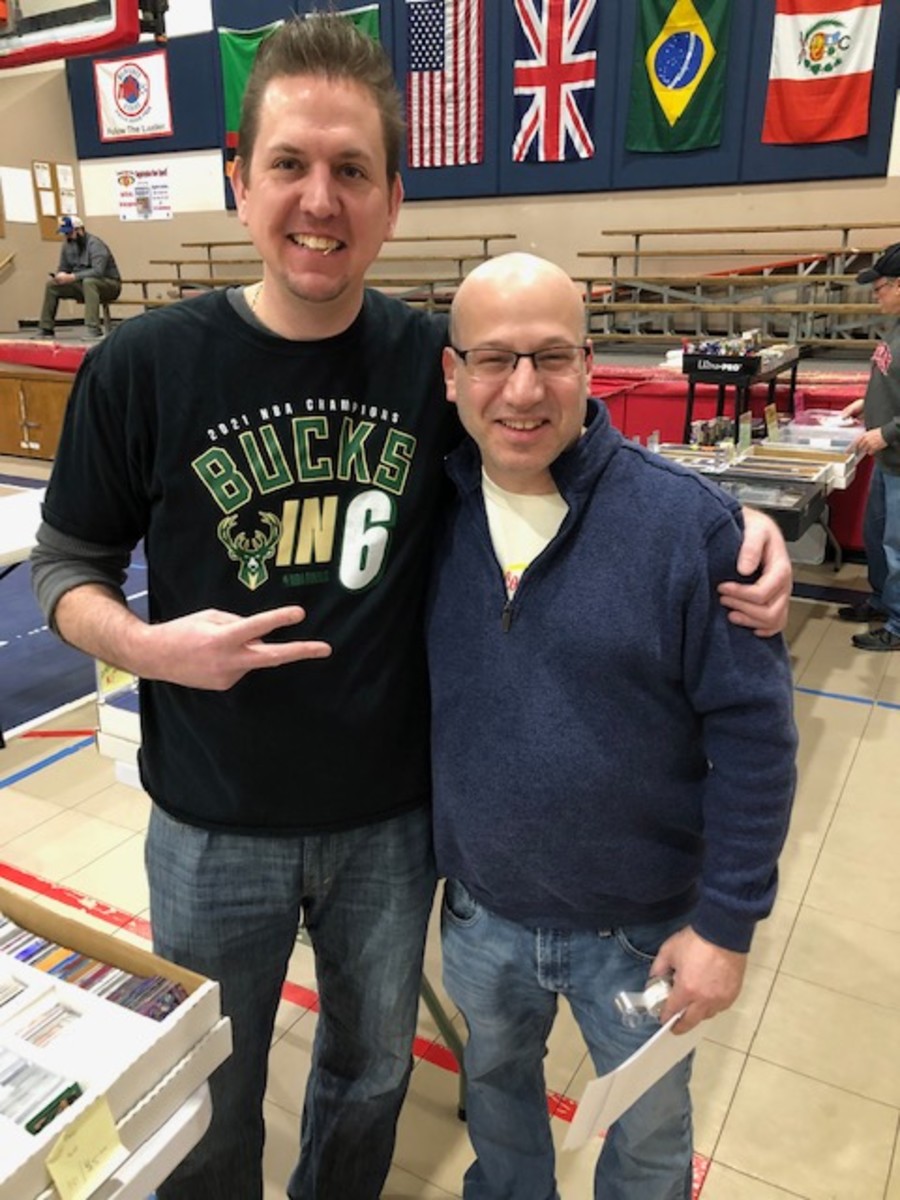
[145,1068]
[119,722]
[840,461]
[163,1107]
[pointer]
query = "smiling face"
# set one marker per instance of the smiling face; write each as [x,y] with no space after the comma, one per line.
[524,422]
[316,200]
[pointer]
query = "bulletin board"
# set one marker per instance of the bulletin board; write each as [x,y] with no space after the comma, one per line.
[54,195]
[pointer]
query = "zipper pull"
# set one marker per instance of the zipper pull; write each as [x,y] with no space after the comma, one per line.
[506,619]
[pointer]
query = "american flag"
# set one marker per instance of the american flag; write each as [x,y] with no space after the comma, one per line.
[553,80]
[445,85]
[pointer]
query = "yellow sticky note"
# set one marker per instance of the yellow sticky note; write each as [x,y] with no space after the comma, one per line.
[87,1153]
[112,679]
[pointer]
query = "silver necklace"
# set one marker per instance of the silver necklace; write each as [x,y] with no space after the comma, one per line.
[253,299]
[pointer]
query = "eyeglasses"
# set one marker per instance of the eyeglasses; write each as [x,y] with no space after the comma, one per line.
[882,284]
[492,364]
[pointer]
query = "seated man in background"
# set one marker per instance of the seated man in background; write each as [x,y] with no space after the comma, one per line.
[613,759]
[87,272]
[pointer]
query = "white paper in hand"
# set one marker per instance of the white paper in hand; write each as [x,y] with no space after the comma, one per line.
[606,1098]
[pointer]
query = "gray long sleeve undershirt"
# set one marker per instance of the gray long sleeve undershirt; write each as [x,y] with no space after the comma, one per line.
[60,562]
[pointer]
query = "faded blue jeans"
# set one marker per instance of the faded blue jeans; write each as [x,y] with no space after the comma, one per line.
[228,905]
[506,979]
[881,534]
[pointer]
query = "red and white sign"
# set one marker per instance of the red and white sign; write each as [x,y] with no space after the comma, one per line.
[133,97]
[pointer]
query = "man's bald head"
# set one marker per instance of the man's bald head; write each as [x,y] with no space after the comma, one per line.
[521,283]
[518,367]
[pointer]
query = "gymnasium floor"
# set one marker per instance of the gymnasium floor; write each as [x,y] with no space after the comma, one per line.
[796,1090]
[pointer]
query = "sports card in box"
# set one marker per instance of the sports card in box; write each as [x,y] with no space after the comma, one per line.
[146,1059]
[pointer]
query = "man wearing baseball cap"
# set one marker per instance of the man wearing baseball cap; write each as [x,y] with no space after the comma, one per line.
[87,272]
[881,410]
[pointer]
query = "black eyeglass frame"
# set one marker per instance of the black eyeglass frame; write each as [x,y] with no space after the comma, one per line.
[518,355]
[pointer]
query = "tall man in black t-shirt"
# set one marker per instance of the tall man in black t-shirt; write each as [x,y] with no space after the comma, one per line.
[279,447]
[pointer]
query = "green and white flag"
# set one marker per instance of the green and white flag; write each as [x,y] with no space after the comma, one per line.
[237,51]
[366,19]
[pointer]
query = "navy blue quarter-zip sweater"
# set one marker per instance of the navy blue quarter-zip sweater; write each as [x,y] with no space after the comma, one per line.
[608,748]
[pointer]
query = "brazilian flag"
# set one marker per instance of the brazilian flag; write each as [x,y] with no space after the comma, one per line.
[678,76]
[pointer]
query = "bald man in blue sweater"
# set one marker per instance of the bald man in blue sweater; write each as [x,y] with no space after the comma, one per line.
[613,758]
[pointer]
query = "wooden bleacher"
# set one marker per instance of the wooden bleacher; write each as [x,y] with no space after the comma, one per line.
[806,294]
[427,278]
[767,260]
[843,227]
[455,239]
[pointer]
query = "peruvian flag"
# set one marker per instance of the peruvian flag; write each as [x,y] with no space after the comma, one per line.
[820,75]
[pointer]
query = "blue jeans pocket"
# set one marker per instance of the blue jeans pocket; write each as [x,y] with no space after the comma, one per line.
[642,942]
[460,906]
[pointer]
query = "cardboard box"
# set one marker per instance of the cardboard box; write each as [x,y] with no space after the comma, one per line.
[840,462]
[119,732]
[145,1077]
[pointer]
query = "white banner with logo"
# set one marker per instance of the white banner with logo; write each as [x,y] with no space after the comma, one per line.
[133,97]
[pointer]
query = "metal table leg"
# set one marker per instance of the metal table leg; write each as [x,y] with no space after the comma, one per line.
[450,1036]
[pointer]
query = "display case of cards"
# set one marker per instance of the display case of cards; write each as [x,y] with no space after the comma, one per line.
[791,491]
[84,1016]
[793,506]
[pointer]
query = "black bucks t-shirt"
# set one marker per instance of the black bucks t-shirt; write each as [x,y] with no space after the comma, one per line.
[265,472]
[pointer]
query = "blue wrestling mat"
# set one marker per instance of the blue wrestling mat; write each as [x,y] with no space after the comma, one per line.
[38,672]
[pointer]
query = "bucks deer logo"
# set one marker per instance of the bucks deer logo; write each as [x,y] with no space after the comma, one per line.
[251,552]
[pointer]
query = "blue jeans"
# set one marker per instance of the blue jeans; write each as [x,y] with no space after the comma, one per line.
[228,905]
[881,534]
[506,978]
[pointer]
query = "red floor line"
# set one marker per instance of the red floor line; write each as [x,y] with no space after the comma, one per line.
[58,733]
[74,899]
[562,1107]
[303,997]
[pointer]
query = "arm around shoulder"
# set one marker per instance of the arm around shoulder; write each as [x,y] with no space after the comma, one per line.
[761,606]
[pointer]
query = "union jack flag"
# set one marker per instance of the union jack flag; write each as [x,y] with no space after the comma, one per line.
[554,79]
